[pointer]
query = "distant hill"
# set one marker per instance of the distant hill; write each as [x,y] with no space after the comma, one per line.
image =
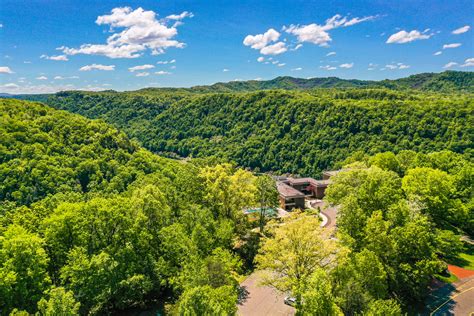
[286,83]
[289,124]
[26,97]
[296,131]
[448,81]
[443,82]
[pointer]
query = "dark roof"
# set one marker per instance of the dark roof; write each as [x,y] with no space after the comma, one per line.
[287,191]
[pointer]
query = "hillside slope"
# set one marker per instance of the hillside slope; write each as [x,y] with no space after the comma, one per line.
[92,224]
[44,151]
[284,131]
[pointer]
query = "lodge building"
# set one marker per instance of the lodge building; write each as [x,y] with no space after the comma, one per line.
[294,191]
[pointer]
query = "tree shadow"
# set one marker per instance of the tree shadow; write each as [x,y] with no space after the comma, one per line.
[439,303]
[243,294]
[459,261]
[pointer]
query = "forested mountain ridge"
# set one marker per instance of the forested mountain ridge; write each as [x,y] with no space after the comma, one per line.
[448,81]
[301,132]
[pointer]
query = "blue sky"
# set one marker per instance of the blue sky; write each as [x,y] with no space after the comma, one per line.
[48,45]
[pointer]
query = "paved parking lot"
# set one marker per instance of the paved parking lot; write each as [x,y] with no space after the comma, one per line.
[262,300]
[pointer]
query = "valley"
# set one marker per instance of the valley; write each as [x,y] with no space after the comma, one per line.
[91,204]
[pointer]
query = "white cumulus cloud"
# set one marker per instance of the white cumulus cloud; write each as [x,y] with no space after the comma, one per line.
[140,31]
[450,64]
[394,66]
[141,67]
[372,66]
[331,54]
[42,78]
[64,78]
[142,74]
[260,59]
[438,53]
[5,70]
[327,67]
[259,41]
[297,47]
[319,34]
[9,86]
[468,63]
[165,62]
[347,65]
[275,49]
[97,67]
[57,57]
[453,45]
[162,72]
[403,36]
[181,16]
[262,42]
[461,30]
[296,69]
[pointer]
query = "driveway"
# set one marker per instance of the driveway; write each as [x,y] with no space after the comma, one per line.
[262,300]
[328,211]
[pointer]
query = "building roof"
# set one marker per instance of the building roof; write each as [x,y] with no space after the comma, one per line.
[301,180]
[333,172]
[287,191]
[310,181]
[321,183]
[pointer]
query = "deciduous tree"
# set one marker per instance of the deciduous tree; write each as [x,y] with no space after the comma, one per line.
[296,250]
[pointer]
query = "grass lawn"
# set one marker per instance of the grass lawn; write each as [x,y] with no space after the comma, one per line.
[447,279]
[466,258]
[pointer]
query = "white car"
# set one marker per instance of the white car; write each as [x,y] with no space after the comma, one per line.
[291,301]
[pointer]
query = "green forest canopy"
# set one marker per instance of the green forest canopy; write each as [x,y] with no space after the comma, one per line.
[92,223]
[398,223]
[108,225]
[301,132]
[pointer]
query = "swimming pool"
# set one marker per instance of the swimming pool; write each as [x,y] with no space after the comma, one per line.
[270,212]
